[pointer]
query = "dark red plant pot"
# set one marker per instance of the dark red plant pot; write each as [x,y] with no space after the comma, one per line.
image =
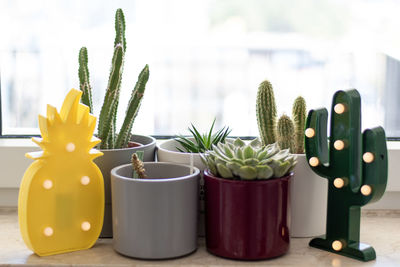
[247,220]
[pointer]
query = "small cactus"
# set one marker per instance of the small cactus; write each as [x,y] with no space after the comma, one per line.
[266,119]
[138,166]
[108,114]
[286,133]
[299,117]
[236,160]
[266,113]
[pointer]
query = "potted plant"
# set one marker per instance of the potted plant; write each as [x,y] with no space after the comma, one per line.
[308,191]
[247,200]
[184,150]
[117,147]
[154,217]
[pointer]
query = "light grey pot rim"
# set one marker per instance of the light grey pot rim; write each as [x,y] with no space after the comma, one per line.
[154,180]
[160,147]
[153,141]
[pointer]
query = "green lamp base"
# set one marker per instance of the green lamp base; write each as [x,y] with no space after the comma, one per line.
[358,251]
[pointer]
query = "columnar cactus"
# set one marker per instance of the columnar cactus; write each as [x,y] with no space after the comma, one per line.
[108,113]
[299,117]
[266,113]
[286,133]
[84,79]
[266,119]
[248,162]
[356,167]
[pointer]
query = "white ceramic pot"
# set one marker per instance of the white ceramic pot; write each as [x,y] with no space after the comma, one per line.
[167,152]
[309,195]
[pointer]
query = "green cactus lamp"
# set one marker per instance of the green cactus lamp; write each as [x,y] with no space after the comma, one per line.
[356,167]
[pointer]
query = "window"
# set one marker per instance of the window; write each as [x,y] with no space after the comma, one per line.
[206,58]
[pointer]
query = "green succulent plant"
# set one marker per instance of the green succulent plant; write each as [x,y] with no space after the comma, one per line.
[108,114]
[238,160]
[202,142]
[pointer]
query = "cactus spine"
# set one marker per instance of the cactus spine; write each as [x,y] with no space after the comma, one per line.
[299,118]
[266,113]
[286,133]
[84,82]
[356,167]
[108,113]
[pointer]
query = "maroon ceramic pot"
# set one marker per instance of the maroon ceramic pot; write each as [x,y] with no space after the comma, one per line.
[247,220]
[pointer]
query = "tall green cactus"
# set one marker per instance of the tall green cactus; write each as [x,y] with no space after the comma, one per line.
[108,113]
[84,82]
[133,107]
[106,128]
[266,113]
[299,118]
[286,133]
[356,167]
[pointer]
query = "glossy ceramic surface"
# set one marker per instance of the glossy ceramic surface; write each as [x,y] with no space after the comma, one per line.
[247,220]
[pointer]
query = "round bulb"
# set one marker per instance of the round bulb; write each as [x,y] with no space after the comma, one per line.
[85,226]
[85,180]
[309,132]
[47,184]
[368,157]
[339,108]
[366,190]
[314,161]
[48,231]
[337,245]
[338,182]
[338,145]
[70,147]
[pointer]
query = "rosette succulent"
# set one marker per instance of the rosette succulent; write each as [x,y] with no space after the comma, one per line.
[238,160]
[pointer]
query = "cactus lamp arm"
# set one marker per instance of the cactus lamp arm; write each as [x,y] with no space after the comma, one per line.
[374,166]
[316,142]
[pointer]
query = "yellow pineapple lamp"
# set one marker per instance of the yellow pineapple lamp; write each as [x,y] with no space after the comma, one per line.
[61,197]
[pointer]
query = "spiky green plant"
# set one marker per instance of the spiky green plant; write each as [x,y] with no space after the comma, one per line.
[299,118]
[266,119]
[202,142]
[266,113]
[237,160]
[108,114]
[286,133]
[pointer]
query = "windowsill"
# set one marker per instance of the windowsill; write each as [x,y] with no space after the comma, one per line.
[378,228]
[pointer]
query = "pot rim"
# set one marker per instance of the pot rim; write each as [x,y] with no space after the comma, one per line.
[208,173]
[159,147]
[153,141]
[154,180]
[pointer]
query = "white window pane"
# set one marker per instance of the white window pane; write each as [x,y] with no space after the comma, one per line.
[206,58]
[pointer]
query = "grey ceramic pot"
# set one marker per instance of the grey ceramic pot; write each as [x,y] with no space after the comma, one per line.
[117,157]
[155,218]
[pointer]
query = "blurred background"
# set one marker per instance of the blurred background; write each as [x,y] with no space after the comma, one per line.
[206,58]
